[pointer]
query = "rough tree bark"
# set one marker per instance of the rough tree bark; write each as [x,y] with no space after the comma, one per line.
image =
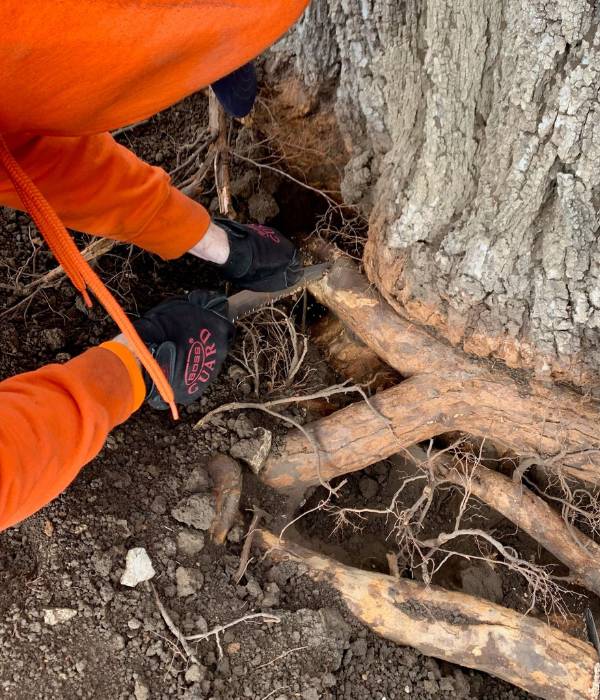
[471,142]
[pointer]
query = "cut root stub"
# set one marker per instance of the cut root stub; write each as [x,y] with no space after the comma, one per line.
[227,479]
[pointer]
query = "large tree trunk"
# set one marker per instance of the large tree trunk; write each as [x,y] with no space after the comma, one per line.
[470,134]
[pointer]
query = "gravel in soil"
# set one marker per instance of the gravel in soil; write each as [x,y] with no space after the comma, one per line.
[69,628]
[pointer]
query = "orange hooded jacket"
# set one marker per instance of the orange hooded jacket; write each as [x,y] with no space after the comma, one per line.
[70,71]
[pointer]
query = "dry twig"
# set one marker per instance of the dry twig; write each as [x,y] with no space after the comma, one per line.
[247,548]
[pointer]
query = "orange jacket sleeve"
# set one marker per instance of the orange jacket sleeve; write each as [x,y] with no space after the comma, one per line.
[55,420]
[97,186]
[72,67]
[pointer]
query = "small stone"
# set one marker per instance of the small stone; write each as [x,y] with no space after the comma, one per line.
[359,648]
[80,666]
[134,624]
[271,597]
[117,642]
[188,581]
[255,450]
[56,616]
[233,648]
[138,567]
[368,487]
[53,338]
[141,691]
[236,372]
[200,625]
[159,505]
[236,534]
[262,206]
[196,511]
[310,694]
[254,589]
[195,673]
[328,680]
[197,481]
[102,563]
[189,543]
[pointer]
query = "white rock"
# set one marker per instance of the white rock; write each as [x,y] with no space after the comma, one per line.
[138,567]
[141,691]
[54,616]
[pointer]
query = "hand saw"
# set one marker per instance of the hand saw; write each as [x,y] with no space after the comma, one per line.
[244,303]
[592,631]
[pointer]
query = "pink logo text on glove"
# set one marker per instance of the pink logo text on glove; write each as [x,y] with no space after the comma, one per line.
[199,367]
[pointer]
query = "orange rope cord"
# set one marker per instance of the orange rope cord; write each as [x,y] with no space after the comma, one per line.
[77,269]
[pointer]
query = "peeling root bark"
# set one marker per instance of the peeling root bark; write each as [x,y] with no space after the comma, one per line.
[458,628]
[457,393]
[227,480]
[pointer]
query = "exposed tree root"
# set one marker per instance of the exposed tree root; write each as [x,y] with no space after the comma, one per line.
[226,475]
[355,437]
[526,510]
[446,391]
[458,628]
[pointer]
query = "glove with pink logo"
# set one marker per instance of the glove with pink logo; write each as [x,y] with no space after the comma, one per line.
[190,338]
[260,258]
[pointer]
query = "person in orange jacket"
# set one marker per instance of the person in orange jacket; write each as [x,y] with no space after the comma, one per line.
[72,71]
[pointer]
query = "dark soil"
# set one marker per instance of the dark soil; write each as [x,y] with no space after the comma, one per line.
[72,554]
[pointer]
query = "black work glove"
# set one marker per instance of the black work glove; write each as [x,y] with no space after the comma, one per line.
[260,257]
[190,338]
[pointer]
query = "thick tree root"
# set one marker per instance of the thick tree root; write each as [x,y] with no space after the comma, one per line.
[356,437]
[455,392]
[458,628]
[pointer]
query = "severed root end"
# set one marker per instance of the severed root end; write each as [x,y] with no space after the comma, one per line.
[226,475]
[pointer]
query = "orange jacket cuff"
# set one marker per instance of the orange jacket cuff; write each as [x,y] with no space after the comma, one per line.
[176,227]
[133,369]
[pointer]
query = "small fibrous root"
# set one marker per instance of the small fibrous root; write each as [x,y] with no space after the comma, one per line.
[247,548]
[456,627]
[273,353]
[226,476]
[427,555]
[91,252]
[192,172]
[522,506]
[175,631]
[216,631]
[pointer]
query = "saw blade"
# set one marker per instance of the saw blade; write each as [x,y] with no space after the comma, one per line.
[592,630]
[247,302]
